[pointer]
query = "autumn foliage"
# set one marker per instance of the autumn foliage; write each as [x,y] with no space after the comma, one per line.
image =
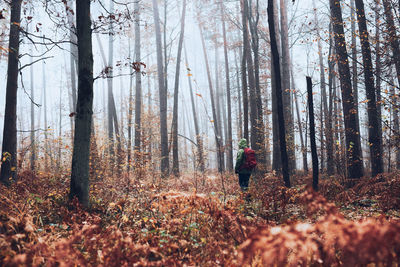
[184,221]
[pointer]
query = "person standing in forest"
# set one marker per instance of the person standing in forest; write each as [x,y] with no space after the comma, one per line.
[245,164]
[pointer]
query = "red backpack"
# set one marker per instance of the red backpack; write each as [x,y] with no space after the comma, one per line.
[250,161]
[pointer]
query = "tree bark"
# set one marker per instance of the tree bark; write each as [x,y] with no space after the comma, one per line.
[215,118]
[355,72]
[286,89]
[109,72]
[251,79]
[9,147]
[83,119]
[392,35]
[240,119]
[175,154]
[162,94]
[312,134]
[244,75]
[199,139]
[375,140]
[276,156]
[354,161]
[73,52]
[228,137]
[278,93]
[324,104]
[130,111]
[259,131]
[46,142]
[396,127]
[378,70]
[138,86]
[328,124]
[303,148]
[33,139]
[218,98]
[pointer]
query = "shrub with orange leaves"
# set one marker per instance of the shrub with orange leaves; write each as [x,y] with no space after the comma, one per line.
[331,241]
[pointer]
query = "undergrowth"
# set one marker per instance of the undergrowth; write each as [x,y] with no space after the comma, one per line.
[199,220]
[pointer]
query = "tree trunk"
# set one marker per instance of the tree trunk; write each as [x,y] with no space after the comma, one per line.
[9,147]
[355,72]
[175,155]
[73,52]
[244,75]
[396,127]
[46,142]
[278,94]
[138,86]
[259,131]
[33,144]
[378,70]
[220,158]
[375,140]
[130,111]
[328,124]
[84,110]
[324,104]
[240,119]
[276,156]
[218,97]
[303,148]
[199,139]
[312,134]
[286,90]
[109,72]
[392,35]
[250,71]
[228,137]
[162,94]
[165,74]
[354,161]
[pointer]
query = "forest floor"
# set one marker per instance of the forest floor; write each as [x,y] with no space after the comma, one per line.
[200,221]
